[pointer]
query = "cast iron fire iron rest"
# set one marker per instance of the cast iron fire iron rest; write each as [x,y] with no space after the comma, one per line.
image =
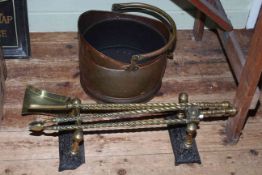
[73,118]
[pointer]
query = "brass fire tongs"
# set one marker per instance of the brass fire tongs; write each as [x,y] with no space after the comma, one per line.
[106,116]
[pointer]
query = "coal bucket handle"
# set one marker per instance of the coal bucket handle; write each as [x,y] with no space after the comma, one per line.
[157,13]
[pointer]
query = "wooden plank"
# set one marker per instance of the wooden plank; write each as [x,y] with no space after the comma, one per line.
[237,162]
[103,151]
[170,87]
[44,48]
[249,78]
[210,138]
[199,25]
[53,37]
[182,35]
[217,15]
[236,58]
[40,71]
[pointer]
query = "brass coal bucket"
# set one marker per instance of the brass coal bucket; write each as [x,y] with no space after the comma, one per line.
[122,57]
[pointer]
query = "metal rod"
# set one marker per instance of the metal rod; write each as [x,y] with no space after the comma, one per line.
[118,124]
[40,125]
[114,115]
[135,106]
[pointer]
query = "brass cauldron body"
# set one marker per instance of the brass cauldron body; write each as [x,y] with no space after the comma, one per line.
[123,57]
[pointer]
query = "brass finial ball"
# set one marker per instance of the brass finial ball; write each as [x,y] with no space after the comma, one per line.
[192,127]
[76,101]
[78,136]
[183,97]
[36,126]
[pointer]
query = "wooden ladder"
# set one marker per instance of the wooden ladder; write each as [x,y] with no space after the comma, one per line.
[246,70]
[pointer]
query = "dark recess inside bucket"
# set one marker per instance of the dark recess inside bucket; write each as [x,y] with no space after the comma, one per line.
[121,39]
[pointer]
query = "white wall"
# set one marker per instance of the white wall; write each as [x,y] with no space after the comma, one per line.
[62,15]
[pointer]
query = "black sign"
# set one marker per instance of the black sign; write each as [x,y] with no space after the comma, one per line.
[14,33]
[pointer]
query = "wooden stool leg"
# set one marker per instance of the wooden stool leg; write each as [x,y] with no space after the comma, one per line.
[199,25]
[248,81]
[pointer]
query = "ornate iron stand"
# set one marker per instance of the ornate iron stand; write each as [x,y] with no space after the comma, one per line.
[183,138]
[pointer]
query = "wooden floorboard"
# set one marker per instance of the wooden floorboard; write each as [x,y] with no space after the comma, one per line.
[215,163]
[199,68]
[210,138]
